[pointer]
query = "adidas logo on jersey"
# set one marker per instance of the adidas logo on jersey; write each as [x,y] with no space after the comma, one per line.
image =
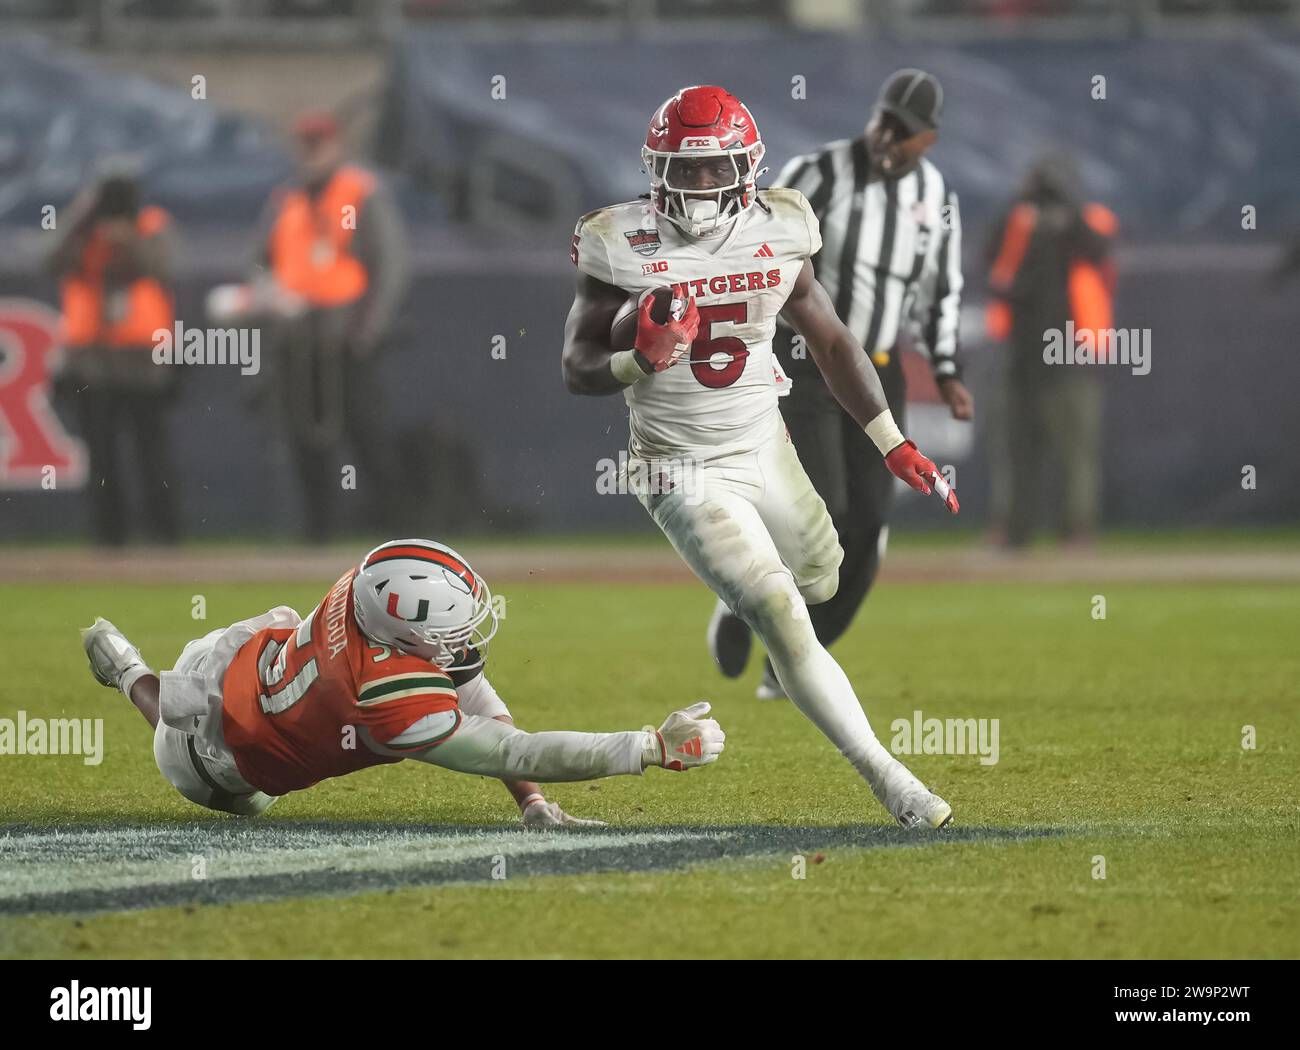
[764,252]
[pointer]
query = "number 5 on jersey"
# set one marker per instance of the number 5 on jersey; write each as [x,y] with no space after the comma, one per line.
[729,351]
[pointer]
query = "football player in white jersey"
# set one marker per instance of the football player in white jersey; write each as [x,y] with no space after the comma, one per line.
[709,456]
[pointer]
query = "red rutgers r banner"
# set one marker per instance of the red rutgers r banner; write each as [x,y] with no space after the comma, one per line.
[31,437]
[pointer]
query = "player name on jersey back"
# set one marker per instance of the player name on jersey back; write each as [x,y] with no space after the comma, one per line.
[722,397]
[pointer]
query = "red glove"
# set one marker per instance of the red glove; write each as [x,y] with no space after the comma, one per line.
[907,463]
[662,345]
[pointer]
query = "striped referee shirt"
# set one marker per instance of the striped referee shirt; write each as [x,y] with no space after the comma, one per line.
[891,249]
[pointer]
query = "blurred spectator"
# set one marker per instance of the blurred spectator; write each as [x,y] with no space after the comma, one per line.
[1048,267]
[334,240]
[114,261]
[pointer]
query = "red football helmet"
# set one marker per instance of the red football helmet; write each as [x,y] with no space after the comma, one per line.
[702,152]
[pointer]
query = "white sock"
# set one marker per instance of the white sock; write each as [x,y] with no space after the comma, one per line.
[820,689]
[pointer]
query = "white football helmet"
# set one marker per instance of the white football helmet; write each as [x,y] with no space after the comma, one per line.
[423,598]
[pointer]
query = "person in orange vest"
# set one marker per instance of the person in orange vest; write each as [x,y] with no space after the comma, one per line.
[113,260]
[333,241]
[1049,266]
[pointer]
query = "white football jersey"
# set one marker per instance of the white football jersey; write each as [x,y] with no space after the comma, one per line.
[723,397]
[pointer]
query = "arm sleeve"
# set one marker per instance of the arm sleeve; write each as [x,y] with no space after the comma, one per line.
[477,697]
[940,329]
[490,748]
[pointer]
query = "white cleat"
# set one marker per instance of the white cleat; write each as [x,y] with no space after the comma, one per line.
[921,810]
[110,654]
[909,801]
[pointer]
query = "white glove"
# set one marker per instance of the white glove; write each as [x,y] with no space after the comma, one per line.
[542,814]
[686,739]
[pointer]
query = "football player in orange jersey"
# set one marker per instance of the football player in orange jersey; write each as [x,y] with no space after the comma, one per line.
[388,666]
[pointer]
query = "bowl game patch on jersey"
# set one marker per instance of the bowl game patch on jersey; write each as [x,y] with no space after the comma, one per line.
[643,242]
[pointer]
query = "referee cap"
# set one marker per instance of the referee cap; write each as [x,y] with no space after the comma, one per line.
[915,98]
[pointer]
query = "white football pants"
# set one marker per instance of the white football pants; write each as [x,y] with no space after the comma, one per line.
[754,529]
[188,743]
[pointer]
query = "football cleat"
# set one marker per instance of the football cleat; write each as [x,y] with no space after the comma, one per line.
[109,652]
[927,810]
[729,640]
[908,801]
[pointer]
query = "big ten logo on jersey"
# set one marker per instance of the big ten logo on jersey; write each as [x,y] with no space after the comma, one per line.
[35,450]
[658,266]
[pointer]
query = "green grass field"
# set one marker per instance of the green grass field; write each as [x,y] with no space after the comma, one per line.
[1119,738]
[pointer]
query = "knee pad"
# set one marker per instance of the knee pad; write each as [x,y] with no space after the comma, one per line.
[775,609]
[819,575]
[822,588]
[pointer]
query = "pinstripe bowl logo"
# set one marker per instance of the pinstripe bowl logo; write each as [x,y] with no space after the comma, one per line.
[643,242]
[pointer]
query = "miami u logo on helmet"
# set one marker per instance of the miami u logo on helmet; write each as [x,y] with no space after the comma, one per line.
[421,610]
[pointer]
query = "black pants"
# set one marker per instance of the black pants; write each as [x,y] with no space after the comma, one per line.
[332,398]
[849,473]
[1050,416]
[114,421]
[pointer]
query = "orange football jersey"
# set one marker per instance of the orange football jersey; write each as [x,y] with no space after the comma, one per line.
[295,700]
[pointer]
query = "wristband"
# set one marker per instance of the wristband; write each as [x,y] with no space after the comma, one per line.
[626,366]
[130,676]
[652,749]
[885,433]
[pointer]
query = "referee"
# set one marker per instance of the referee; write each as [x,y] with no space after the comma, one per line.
[891,263]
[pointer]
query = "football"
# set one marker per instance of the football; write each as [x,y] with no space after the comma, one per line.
[622,332]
